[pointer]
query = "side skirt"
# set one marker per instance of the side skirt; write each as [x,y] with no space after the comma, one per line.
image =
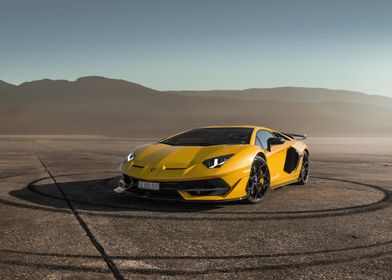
[284,184]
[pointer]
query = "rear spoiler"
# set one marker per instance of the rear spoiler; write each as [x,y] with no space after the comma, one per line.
[296,136]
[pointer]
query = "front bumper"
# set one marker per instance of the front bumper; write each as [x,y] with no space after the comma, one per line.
[215,189]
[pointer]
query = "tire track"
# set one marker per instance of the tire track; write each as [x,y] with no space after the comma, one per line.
[362,254]
[263,215]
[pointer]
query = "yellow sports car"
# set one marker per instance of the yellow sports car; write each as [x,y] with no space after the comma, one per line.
[219,163]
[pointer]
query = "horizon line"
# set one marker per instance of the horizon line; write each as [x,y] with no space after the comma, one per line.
[188,90]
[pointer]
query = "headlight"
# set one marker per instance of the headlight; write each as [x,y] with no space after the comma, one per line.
[216,162]
[131,156]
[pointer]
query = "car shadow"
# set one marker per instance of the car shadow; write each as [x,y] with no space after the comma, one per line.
[98,195]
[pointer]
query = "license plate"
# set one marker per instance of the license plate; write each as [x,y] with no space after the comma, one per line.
[153,186]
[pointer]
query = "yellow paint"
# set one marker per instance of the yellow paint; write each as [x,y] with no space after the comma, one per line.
[164,163]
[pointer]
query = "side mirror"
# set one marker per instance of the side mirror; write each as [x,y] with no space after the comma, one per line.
[274,141]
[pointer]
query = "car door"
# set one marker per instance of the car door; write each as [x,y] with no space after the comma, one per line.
[275,155]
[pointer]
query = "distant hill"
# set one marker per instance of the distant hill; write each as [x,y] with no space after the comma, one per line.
[295,95]
[97,105]
[5,86]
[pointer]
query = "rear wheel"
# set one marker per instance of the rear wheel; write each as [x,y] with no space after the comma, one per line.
[304,175]
[259,181]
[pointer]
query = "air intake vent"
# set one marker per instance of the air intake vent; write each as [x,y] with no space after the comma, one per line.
[174,168]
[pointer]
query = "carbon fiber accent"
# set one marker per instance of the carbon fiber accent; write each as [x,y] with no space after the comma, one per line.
[196,188]
[292,160]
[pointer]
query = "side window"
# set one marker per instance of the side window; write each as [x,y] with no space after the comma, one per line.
[262,137]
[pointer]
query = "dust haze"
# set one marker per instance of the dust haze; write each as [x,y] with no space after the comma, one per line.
[109,107]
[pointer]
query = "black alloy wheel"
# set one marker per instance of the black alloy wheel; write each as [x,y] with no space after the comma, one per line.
[259,181]
[304,175]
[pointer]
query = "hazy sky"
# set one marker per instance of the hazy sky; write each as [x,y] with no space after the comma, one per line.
[201,44]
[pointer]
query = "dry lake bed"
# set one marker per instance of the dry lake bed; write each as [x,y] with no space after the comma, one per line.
[60,219]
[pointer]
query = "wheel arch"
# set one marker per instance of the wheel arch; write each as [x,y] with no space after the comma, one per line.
[261,154]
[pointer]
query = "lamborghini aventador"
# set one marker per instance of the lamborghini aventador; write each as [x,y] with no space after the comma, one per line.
[216,164]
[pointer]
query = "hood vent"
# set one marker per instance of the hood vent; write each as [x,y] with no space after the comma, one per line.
[174,168]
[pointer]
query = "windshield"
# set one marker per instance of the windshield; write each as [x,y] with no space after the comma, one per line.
[211,136]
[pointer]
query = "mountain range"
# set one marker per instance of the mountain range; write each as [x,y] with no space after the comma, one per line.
[98,105]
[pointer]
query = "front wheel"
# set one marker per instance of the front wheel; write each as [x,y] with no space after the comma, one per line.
[259,181]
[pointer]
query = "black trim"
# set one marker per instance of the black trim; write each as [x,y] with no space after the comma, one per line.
[212,187]
[196,201]
[161,194]
[284,136]
[292,160]
[296,136]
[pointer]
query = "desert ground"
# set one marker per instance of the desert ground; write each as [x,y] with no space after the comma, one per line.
[60,218]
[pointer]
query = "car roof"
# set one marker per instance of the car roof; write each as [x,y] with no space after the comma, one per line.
[239,126]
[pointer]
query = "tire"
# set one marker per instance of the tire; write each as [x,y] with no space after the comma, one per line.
[304,175]
[259,181]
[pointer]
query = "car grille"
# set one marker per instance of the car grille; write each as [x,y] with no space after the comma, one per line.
[212,187]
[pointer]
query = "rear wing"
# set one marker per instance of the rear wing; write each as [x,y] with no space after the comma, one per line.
[296,136]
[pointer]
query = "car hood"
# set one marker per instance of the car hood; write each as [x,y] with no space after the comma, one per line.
[169,156]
